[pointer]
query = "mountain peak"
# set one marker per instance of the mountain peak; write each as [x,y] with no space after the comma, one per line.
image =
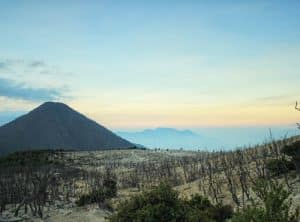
[55,125]
[51,104]
[48,109]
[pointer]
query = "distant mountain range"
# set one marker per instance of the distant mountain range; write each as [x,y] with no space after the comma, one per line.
[57,126]
[171,138]
[209,138]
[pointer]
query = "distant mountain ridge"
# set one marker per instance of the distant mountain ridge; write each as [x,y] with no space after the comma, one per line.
[57,126]
[171,138]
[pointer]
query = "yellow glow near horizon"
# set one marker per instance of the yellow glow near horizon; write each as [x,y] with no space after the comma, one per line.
[176,115]
[173,114]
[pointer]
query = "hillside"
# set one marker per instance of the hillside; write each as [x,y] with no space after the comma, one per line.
[222,177]
[57,126]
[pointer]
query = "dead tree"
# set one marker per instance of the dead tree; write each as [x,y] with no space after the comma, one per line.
[243,175]
[297,108]
[228,167]
[38,189]
[214,184]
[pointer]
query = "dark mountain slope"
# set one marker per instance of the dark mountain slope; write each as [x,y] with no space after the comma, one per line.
[57,126]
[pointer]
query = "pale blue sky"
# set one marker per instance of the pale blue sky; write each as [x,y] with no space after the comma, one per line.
[138,64]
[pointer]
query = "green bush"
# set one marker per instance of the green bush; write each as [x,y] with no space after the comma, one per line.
[107,191]
[280,166]
[273,205]
[96,196]
[293,151]
[201,209]
[163,204]
[29,158]
[109,185]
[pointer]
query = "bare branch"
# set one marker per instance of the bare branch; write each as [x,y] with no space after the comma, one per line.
[296,106]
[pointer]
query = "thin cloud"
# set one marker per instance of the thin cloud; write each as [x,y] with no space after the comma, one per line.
[3,65]
[6,63]
[9,64]
[35,64]
[282,100]
[11,89]
[275,98]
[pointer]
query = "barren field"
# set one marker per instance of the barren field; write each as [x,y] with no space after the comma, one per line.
[224,177]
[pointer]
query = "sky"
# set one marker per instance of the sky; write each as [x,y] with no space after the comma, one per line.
[144,64]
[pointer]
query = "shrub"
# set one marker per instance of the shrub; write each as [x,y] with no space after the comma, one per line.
[279,166]
[96,196]
[249,214]
[160,204]
[26,158]
[107,191]
[274,205]
[163,204]
[109,185]
[293,151]
[221,213]
[201,209]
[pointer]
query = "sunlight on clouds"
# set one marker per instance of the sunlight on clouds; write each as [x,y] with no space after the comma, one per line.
[8,104]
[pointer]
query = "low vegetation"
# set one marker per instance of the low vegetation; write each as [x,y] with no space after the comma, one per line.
[278,167]
[163,204]
[273,204]
[225,183]
[30,158]
[101,192]
[31,180]
[293,152]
